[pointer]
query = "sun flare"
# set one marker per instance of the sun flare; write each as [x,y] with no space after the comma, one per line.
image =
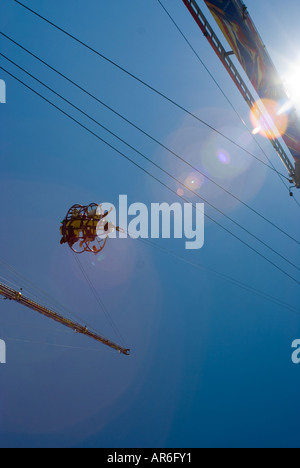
[292,84]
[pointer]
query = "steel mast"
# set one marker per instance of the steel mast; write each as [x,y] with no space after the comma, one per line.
[17,296]
[224,56]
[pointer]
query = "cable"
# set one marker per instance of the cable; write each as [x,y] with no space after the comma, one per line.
[52,330]
[99,301]
[159,93]
[157,166]
[294,198]
[220,89]
[227,278]
[148,173]
[151,137]
[200,267]
[27,285]
[58,345]
[55,304]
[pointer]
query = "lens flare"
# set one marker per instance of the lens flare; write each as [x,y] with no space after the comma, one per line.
[101,257]
[256,131]
[224,157]
[285,108]
[271,112]
[218,159]
[180,192]
[194,181]
[291,82]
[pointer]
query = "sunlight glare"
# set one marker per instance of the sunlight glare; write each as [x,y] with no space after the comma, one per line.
[291,82]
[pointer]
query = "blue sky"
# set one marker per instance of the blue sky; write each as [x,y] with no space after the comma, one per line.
[211,363]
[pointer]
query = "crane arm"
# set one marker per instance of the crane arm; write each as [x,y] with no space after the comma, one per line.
[17,296]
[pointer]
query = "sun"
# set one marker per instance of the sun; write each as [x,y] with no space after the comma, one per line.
[292,84]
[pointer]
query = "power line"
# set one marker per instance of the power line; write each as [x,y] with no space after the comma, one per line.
[196,265]
[151,175]
[227,278]
[149,136]
[156,165]
[147,85]
[224,277]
